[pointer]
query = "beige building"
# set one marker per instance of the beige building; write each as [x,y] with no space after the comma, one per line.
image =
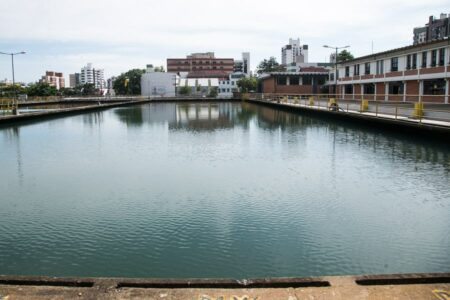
[55,79]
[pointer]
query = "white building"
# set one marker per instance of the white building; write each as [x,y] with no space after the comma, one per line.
[243,65]
[294,53]
[94,76]
[159,84]
[228,86]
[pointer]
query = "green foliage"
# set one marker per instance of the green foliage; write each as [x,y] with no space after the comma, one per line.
[159,69]
[213,92]
[269,65]
[184,90]
[344,55]
[41,90]
[8,90]
[247,84]
[129,83]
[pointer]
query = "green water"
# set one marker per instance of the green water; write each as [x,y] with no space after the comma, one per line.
[219,190]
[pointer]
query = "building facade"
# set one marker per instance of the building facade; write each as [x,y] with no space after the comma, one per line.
[74,80]
[159,84]
[306,82]
[435,29]
[294,53]
[93,76]
[228,86]
[243,65]
[415,73]
[55,79]
[201,65]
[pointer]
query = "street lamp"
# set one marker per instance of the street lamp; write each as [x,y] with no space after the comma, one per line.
[335,65]
[14,83]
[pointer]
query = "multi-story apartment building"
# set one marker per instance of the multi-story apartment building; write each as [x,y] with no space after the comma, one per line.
[74,80]
[55,79]
[94,76]
[243,65]
[413,73]
[201,65]
[435,29]
[294,53]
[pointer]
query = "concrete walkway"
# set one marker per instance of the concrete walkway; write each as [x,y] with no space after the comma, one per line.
[414,286]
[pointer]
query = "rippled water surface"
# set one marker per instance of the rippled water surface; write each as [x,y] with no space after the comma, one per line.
[219,190]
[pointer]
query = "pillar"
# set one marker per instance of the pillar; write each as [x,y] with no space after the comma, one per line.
[446,90]
[420,90]
[386,91]
[404,91]
[288,80]
[362,91]
[353,90]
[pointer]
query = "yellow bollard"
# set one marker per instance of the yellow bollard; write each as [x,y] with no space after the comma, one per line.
[311,101]
[364,105]
[418,110]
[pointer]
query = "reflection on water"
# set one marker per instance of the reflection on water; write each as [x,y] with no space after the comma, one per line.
[219,190]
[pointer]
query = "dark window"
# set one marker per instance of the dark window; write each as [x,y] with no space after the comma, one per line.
[369,88]
[367,68]
[321,80]
[294,80]
[434,87]
[424,59]
[414,61]
[394,64]
[281,80]
[433,58]
[349,89]
[396,88]
[331,76]
[441,56]
[307,80]
[347,71]
[408,62]
[380,67]
[356,70]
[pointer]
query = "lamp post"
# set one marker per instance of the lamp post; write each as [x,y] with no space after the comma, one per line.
[335,65]
[15,111]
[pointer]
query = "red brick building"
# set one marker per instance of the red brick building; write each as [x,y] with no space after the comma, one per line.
[303,82]
[201,65]
[413,73]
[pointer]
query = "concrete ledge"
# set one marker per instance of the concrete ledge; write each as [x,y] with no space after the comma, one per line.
[402,286]
[430,130]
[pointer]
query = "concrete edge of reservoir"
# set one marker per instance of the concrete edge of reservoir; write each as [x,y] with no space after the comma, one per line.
[93,106]
[398,286]
[429,130]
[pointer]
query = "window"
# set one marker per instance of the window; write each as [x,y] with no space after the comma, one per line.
[281,80]
[347,71]
[394,64]
[294,80]
[441,56]
[408,62]
[380,67]
[356,70]
[321,80]
[396,88]
[307,80]
[414,61]
[434,87]
[349,89]
[369,88]
[367,68]
[424,59]
[433,58]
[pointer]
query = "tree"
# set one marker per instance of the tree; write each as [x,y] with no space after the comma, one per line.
[213,92]
[269,65]
[344,55]
[89,89]
[159,69]
[129,83]
[247,84]
[184,90]
[41,89]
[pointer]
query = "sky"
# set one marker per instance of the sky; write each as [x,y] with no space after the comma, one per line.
[63,36]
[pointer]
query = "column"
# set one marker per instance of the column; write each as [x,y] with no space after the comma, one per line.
[386,91]
[375,91]
[404,91]
[446,91]
[288,80]
[353,90]
[362,91]
[420,90]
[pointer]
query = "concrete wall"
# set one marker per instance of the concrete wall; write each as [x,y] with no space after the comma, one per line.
[158,84]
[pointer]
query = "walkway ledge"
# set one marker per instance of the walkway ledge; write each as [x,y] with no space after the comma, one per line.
[403,286]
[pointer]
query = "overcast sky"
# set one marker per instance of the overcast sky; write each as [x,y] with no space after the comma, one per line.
[115,35]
